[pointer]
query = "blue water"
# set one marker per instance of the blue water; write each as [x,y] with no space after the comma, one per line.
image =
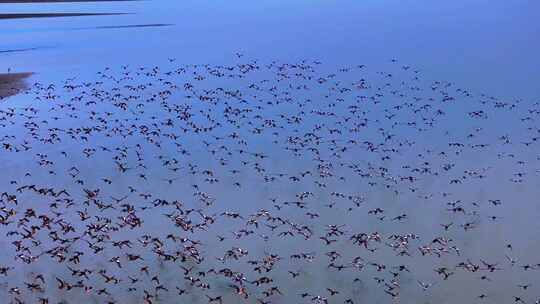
[486,47]
[491,46]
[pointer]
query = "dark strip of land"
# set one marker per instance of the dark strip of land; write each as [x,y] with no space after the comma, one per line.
[53,15]
[132,26]
[55,1]
[12,83]
[20,50]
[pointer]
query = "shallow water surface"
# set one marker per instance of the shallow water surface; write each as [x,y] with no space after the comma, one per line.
[306,152]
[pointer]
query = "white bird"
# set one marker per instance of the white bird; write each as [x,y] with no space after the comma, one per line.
[425,286]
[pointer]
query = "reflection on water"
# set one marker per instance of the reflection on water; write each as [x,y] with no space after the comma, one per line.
[153,164]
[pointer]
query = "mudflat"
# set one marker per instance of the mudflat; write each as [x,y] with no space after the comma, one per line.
[18,50]
[132,26]
[12,83]
[52,15]
[58,1]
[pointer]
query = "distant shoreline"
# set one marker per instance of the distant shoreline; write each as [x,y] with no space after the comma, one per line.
[56,1]
[12,83]
[53,15]
[18,50]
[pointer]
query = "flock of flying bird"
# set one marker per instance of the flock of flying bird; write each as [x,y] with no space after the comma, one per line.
[265,183]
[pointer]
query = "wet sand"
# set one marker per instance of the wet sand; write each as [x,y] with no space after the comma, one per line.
[11,84]
[53,15]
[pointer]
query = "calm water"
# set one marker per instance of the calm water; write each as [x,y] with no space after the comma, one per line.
[458,49]
[491,46]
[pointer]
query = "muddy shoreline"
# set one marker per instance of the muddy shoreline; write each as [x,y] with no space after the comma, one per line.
[12,83]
